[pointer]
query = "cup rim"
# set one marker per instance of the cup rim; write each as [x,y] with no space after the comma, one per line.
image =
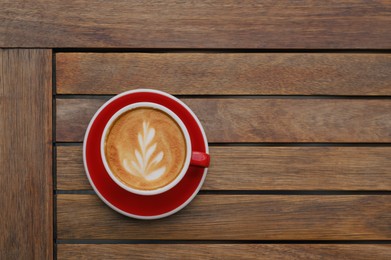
[184,130]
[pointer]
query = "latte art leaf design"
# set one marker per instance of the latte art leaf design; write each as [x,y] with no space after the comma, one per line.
[146,162]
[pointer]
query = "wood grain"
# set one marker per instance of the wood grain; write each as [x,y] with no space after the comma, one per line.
[234,217]
[225,73]
[26,224]
[268,168]
[224,251]
[196,24]
[261,120]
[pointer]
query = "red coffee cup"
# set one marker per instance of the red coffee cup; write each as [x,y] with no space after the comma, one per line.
[193,158]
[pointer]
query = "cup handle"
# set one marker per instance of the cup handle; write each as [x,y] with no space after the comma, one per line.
[200,159]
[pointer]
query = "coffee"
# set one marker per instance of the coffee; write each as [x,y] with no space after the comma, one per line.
[145,148]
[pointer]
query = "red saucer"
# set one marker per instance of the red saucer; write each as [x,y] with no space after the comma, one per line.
[127,203]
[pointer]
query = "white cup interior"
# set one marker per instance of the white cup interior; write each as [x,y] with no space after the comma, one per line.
[185,134]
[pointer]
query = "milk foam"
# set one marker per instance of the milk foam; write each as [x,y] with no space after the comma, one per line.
[145,164]
[145,148]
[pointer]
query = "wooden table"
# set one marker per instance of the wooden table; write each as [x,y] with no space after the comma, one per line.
[295,98]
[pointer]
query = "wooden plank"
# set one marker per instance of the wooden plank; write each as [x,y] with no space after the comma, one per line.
[225,73]
[234,217]
[223,251]
[199,24]
[261,120]
[26,226]
[268,168]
